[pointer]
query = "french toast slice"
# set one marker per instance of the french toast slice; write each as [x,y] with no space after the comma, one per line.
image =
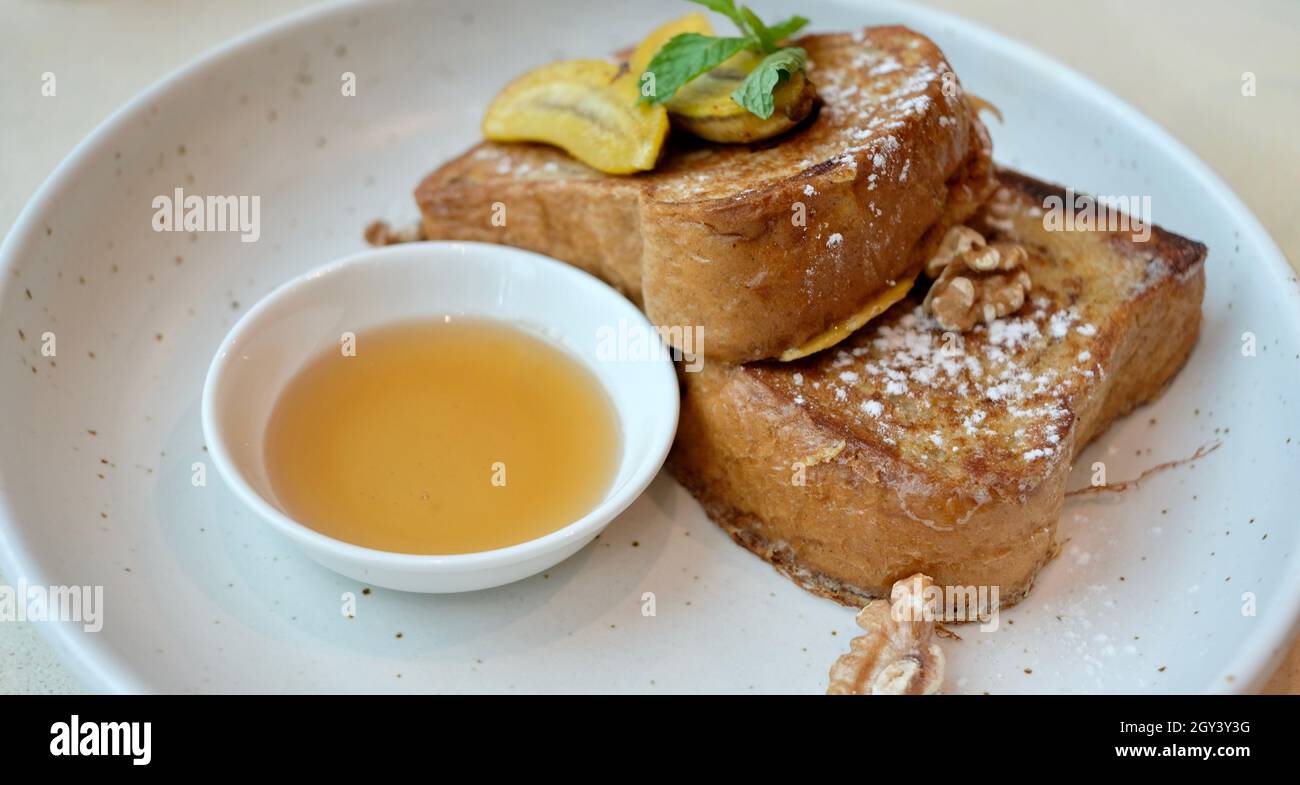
[925,454]
[764,246]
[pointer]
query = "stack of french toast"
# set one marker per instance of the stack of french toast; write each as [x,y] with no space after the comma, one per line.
[901,356]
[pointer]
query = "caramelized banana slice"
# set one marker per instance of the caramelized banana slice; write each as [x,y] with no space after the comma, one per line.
[587,107]
[846,327]
[645,52]
[705,108]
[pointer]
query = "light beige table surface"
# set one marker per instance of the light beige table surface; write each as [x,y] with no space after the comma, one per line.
[1179,61]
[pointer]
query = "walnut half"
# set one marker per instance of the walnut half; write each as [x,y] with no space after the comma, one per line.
[976,282]
[897,655]
[957,241]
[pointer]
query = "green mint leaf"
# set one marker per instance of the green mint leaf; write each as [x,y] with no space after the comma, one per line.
[783,30]
[686,56]
[755,93]
[759,30]
[728,9]
[689,55]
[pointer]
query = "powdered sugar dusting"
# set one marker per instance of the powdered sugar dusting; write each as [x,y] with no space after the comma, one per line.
[1002,392]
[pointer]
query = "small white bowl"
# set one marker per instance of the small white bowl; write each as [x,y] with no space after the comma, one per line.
[307,315]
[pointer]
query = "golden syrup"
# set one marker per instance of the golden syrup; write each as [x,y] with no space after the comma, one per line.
[442,437]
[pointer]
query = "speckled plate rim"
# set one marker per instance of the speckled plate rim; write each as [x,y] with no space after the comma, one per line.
[100,669]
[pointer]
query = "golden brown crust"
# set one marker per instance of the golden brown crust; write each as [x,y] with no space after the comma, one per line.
[954,466]
[763,245]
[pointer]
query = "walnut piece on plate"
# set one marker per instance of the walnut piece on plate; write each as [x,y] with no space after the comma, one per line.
[975,281]
[379,233]
[897,655]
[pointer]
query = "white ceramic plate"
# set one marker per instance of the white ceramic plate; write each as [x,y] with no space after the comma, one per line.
[1146,596]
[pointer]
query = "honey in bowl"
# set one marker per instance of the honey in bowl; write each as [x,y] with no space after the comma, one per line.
[442,437]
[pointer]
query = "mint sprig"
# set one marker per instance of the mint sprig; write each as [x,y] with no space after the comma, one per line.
[755,93]
[689,55]
[782,30]
[728,9]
